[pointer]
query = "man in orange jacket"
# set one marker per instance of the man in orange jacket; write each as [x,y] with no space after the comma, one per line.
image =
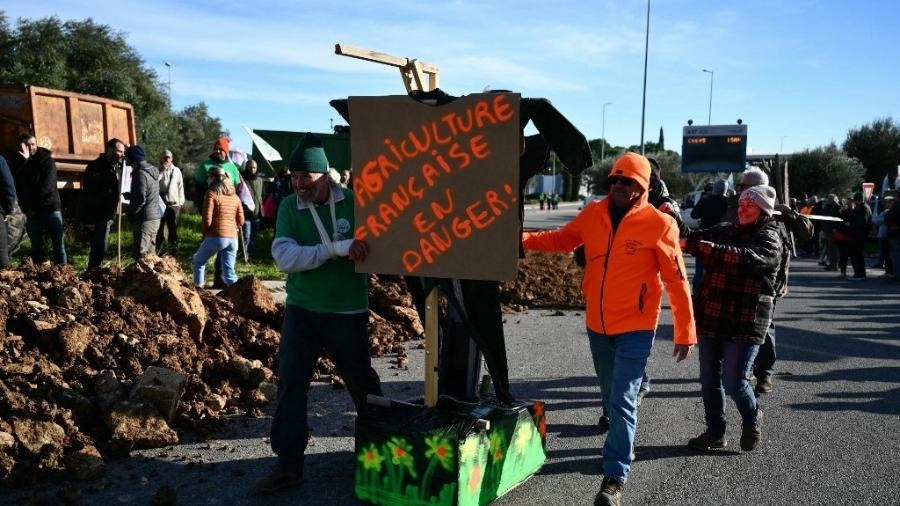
[631,249]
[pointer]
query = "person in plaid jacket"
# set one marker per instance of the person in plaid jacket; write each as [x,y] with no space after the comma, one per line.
[733,310]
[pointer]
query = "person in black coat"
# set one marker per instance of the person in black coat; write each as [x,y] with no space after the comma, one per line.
[100,196]
[34,172]
[7,205]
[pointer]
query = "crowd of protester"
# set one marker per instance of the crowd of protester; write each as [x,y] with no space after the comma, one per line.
[744,243]
[151,199]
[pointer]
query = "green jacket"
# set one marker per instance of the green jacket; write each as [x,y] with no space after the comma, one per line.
[230,168]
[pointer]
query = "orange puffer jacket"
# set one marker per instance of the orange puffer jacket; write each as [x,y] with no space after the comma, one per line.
[625,271]
[223,215]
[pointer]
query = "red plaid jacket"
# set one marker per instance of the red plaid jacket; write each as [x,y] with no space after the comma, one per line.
[737,293]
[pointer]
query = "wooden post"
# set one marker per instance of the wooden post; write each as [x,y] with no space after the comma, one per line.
[432,310]
[413,73]
[119,235]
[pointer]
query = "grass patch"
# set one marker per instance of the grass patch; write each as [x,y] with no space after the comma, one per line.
[77,248]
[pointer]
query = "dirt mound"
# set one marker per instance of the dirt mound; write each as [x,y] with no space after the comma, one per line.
[76,352]
[545,280]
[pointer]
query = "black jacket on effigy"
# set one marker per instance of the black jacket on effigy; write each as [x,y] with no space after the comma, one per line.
[478,302]
[736,300]
[101,190]
[36,182]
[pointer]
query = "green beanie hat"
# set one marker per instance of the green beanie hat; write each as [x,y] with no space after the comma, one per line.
[309,156]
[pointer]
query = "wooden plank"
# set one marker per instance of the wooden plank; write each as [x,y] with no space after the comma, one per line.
[378,57]
[432,308]
[415,68]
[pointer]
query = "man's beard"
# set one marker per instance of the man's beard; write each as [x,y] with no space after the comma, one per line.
[309,196]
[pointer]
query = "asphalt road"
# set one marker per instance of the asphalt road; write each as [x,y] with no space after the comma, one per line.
[830,430]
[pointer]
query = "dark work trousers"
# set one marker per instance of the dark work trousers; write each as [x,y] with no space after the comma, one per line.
[764,365]
[883,245]
[170,222]
[303,335]
[99,237]
[843,248]
[4,243]
[855,251]
[51,223]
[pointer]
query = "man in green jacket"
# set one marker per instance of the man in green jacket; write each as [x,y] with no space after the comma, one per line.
[327,305]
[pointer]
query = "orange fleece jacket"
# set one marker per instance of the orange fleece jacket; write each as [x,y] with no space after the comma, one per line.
[625,271]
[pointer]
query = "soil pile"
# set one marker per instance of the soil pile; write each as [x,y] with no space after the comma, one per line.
[98,365]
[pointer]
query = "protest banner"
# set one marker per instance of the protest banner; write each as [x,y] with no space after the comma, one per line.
[436,186]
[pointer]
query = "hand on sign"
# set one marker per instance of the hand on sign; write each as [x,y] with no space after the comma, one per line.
[24,151]
[682,351]
[359,250]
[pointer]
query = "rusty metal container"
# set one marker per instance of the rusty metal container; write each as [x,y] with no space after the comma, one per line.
[74,127]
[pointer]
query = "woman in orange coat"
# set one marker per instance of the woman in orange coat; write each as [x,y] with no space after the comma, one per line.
[223,216]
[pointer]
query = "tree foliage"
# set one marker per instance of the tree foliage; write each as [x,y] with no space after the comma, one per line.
[877,147]
[91,58]
[824,170]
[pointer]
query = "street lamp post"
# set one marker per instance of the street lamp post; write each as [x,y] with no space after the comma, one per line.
[603,133]
[169,70]
[711,73]
[646,51]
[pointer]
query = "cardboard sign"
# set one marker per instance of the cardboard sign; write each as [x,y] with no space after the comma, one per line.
[436,187]
[125,182]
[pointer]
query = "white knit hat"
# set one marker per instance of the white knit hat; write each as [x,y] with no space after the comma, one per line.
[762,196]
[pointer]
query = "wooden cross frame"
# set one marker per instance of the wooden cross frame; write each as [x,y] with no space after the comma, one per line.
[413,72]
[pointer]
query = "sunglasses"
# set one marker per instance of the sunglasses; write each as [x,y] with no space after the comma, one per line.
[613,180]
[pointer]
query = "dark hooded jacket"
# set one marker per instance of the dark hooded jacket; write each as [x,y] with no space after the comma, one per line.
[144,200]
[36,182]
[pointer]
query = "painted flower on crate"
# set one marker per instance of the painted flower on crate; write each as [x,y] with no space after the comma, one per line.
[475,479]
[370,458]
[439,448]
[523,436]
[496,442]
[401,454]
[469,449]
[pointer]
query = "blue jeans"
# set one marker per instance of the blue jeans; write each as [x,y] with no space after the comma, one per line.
[250,229]
[724,365]
[210,246]
[52,223]
[619,361]
[303,335]
[99,237]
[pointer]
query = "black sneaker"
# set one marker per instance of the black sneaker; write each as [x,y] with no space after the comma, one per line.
[751,434]
[708,441]
[763,384]
[603,423]
[278,479]
[610,493]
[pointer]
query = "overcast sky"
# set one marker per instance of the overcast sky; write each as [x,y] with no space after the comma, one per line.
[798,72]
